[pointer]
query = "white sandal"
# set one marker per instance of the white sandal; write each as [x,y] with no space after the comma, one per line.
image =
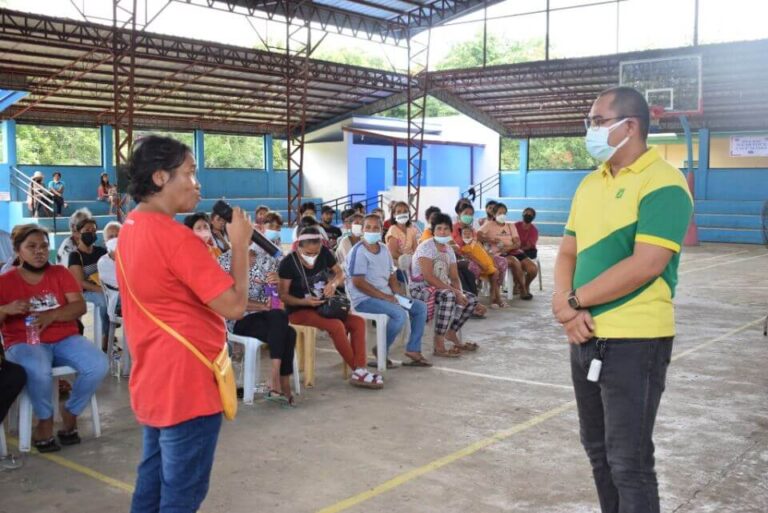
[363,378]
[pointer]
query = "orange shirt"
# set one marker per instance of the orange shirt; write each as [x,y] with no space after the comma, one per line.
[173,275]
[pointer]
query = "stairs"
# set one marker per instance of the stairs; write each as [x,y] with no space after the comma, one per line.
[729,221]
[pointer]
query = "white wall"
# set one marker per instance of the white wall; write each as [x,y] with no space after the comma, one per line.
[325,170]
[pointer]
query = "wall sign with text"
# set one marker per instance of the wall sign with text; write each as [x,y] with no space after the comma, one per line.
[749,146]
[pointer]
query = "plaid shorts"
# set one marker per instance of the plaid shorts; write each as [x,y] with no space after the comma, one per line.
[448,313]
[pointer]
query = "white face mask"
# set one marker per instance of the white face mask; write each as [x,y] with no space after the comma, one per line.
[468,241]
[357,230]
[205,235]
[402,218]
[597,141]
[310,260]
[501,218]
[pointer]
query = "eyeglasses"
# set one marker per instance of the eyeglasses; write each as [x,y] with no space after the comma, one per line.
[595,122]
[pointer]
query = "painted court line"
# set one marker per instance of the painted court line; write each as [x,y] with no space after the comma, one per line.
[723,255]
[478,374]
[722,263]
[82,469]
[497,437]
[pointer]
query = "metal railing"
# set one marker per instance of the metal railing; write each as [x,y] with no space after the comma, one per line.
[475,192]
[344,202]
[40,196]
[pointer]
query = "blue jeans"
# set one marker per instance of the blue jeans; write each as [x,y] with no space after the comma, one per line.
[397,317]
[175,466]
[100,302]
[76,351]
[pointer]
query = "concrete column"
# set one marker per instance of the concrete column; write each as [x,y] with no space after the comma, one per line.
[701,173]
[269,164]
[524,146]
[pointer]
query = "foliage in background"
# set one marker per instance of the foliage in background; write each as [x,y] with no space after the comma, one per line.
[510,154]
[279,154]
[187,138]
[559,153]
[58,145]
[234,151]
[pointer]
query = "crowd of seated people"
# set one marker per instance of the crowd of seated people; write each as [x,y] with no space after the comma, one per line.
[383,265]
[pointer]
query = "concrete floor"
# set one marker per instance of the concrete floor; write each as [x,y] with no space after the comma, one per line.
[491,432]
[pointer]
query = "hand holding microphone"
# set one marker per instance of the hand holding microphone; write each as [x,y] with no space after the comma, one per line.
[222,209]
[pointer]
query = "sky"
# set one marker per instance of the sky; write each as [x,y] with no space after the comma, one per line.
[578,32]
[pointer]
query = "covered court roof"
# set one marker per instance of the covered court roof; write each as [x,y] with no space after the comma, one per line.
[180,83]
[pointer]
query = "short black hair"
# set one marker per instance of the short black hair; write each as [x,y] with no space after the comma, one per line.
[273,217]
[498,206]
[307,206]
[438,219]
[531,210]
[57,173]
[358,206]
[462,204]
[347,214]
[374,216]
[262,207]
[85,222]
[491,203]
[191,219]
[629,102]
[151,154]
[307,221]
[431,210]
[326,209]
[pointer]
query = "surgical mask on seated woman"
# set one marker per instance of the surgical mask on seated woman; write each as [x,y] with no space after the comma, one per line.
[402,218]
[357,230]
[204,234]
[442,240]
[310,260]
[272,234]
[372,238]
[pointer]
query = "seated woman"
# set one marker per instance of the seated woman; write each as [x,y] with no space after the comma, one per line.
[354,236]
[308,277]
[53,299]
[273,223]
[481,264]
[200,223]
[306,222]
[219,232]
[266,321]
[502,239]
[102,192]
[529,236]
[84,266]
[434,275]
[428,213]
[402,237]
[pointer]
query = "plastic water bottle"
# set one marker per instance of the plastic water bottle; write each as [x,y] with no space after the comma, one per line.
[270,290]
[33,332]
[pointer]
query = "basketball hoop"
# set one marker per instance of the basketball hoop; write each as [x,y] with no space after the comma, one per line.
[656,112]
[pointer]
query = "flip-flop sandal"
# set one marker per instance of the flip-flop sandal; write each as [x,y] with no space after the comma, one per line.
[276,397]
[469,346]
[390,364]
[44,446]
[68,437]
[367,380]
[417,363]
[450,353]
[527,297]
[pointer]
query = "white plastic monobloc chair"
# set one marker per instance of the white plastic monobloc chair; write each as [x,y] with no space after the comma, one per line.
[3,445]
[252,365]
[25,409]
[113,296]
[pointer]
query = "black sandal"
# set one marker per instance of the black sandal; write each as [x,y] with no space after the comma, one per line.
[68,437]
[48,445]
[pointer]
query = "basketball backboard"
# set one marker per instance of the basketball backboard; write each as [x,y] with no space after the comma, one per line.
[671,83]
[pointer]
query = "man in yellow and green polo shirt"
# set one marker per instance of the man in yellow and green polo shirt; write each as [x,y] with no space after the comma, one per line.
[615,279]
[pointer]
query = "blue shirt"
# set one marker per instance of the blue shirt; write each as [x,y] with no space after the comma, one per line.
[56,186]
[376,268]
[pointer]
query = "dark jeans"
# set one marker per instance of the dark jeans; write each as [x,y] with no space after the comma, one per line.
[175,466]
[466,277]
[271,327]
[58,203]
[616,416]
[12,380]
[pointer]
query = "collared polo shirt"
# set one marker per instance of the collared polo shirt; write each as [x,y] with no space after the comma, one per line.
[648,202]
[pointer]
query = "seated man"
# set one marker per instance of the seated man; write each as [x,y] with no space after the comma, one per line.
[326,221]
[308,210]
[346,243]
[373,288]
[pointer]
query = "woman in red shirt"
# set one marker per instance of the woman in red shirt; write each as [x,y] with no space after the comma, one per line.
[39,307]
[164,267]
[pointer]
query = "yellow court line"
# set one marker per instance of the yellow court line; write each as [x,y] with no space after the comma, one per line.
[491,440]
[82,469]
[730,262]
[446,460]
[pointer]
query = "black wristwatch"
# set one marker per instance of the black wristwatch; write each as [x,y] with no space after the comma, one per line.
[573,300]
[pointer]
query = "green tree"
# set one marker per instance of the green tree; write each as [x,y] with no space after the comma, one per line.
[499,50]
[58,145]
[234,151]
[559,153]
[510,154]
[187,138]
[279,154]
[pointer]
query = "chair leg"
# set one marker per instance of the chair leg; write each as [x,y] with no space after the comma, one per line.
[126,354]
[25,423]
[538,265]
[55,399]
[3,445]
[249,370]
[95,418]
[510,281]
[110,350]
[296,374]
[381,345]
